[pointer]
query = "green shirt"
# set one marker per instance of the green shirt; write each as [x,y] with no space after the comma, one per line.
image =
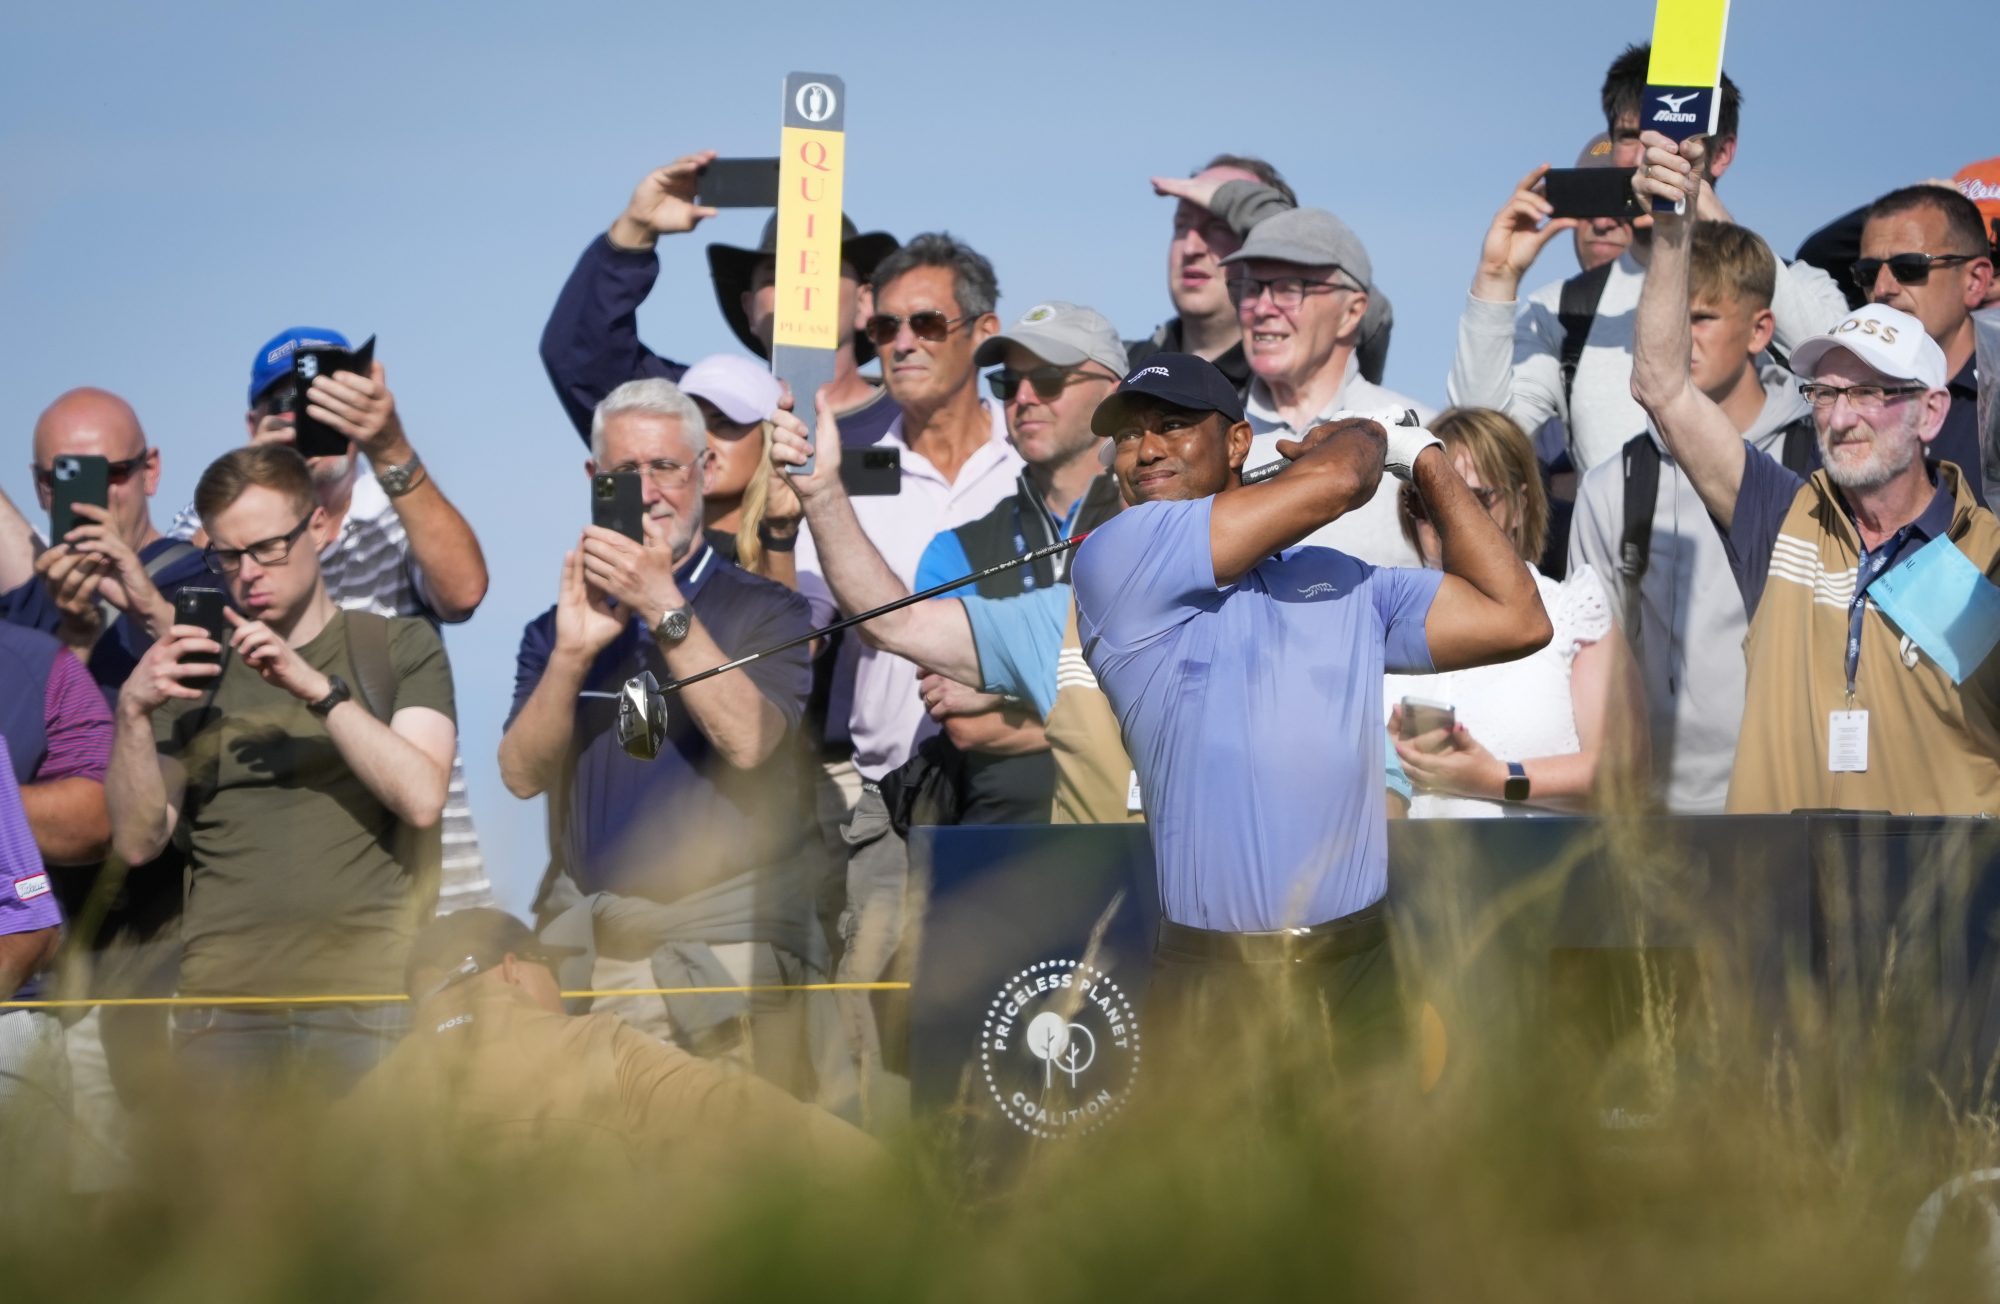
[299,878]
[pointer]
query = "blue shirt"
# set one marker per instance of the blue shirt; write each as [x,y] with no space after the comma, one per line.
[686,819]
[116,654]
[1253,712]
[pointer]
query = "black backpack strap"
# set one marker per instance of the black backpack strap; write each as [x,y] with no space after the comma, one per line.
[1800,451]
[1641,462]
[1575,311]
[374,672]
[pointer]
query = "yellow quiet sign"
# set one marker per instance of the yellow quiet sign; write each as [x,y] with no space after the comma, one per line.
[1685,68]
[807,311]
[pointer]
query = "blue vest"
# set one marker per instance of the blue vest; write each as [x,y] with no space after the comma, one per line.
[26,656]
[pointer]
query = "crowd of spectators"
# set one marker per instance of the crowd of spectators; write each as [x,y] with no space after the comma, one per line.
[1752,496]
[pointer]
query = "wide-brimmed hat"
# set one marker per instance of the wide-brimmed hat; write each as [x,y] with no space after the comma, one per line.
[731,266]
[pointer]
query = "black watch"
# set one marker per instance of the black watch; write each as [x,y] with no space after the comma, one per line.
[1517,782]
[336,693]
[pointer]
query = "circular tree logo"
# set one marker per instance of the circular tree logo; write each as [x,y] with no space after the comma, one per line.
[1060,1048]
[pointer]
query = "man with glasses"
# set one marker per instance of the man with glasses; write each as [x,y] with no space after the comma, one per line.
[1301,285]
[1870,682]
[696,868]
[1925,251]
[305,811]
[1056,364]
[396,545]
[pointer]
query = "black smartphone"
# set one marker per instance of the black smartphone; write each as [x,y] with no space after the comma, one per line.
[618,503]
[738,183]
[203,607]
[75,478]
[1591,192]
[1421,716]
[311,437]
[871,472]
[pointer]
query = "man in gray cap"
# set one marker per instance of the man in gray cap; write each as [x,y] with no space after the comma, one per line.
[1301,285]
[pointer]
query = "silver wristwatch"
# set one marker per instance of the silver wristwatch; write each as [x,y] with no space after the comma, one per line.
[399,480]
[673,624]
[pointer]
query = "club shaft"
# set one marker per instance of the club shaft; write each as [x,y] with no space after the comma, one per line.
[1025,559]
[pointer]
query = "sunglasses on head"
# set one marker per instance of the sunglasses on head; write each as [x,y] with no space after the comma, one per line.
[930,324]
[114,472]
[1908,269]
[1048,382]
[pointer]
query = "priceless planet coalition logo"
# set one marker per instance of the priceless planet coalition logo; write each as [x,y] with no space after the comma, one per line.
[1059,1049]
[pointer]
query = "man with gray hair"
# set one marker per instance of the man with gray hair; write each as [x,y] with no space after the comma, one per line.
[695,869]
[1301,285]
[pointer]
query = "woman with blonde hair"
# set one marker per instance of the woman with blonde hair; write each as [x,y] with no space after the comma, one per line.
[1560,729]
[750,513]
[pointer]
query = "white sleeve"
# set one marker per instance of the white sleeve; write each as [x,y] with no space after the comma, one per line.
[1806,302]
[1584,614]
[1509,358]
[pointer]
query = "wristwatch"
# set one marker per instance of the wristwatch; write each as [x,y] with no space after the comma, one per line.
[673,624]
[399,480]
[1517,782]
[336,693]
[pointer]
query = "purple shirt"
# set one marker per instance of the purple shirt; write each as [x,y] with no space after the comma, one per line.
[26,902]
[1253,712]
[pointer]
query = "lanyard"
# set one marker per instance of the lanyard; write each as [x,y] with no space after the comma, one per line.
[1870,568]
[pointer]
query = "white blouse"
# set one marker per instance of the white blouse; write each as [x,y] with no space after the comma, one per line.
[1518,710]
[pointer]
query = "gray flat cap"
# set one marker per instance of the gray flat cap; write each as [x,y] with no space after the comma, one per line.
[1310,237]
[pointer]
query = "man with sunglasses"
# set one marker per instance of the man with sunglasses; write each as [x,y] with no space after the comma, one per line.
[305,812]
[1056,364]
[108,590]
[1925,251]
[1301,285]
[697,867]
[1870,682]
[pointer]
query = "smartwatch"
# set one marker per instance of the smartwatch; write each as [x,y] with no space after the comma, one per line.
[1517,782]
[336,693]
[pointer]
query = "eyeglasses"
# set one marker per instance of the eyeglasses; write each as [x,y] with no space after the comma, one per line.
[662,471]
[930,324]
[1048,382]
[115,472]
[1861,398]
[265,552]
[1908,269]
[1287,292]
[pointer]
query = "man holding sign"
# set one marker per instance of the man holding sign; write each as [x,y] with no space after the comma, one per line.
[1873,617]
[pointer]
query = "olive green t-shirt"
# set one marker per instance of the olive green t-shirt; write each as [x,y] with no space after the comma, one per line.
[299,881]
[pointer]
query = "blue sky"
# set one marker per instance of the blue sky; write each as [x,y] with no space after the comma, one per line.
[178,182]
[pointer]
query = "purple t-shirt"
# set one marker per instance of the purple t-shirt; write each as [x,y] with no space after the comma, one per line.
[1253,712]
[26,901]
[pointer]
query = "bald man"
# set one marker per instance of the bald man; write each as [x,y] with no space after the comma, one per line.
[107,591]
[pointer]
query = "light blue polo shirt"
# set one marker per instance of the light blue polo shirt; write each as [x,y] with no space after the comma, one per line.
[1253,712]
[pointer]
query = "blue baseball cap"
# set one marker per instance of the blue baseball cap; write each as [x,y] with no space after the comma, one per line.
[274,361]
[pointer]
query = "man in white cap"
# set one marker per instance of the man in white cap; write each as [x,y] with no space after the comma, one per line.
[1301,285]
[1871,684]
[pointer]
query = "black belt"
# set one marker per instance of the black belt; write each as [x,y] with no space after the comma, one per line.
[1334,940]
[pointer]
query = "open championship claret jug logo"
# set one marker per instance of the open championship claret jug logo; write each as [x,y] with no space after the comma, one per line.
[1060,1048]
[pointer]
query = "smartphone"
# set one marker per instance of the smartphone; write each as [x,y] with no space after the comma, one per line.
[871,472]
[311,437]
[618,503]
[203,607]
[1591,192]
[75,478]
[738,183]
[1421,716]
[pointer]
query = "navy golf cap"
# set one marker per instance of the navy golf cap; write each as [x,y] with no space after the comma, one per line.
[1181,379]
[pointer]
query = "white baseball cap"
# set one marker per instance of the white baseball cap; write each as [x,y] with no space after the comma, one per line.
[1891,341]
[742,389]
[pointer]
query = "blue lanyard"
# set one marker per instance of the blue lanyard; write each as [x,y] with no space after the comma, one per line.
[1871,566]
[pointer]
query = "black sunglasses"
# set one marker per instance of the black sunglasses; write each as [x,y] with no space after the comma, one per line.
[930,324]
[1908,269]
[1048,382]
[114,472]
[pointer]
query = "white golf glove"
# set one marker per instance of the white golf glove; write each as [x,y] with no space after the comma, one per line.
[1406,443]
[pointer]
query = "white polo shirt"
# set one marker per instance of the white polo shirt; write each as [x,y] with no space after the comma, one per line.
[1370,532]
[888,717]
